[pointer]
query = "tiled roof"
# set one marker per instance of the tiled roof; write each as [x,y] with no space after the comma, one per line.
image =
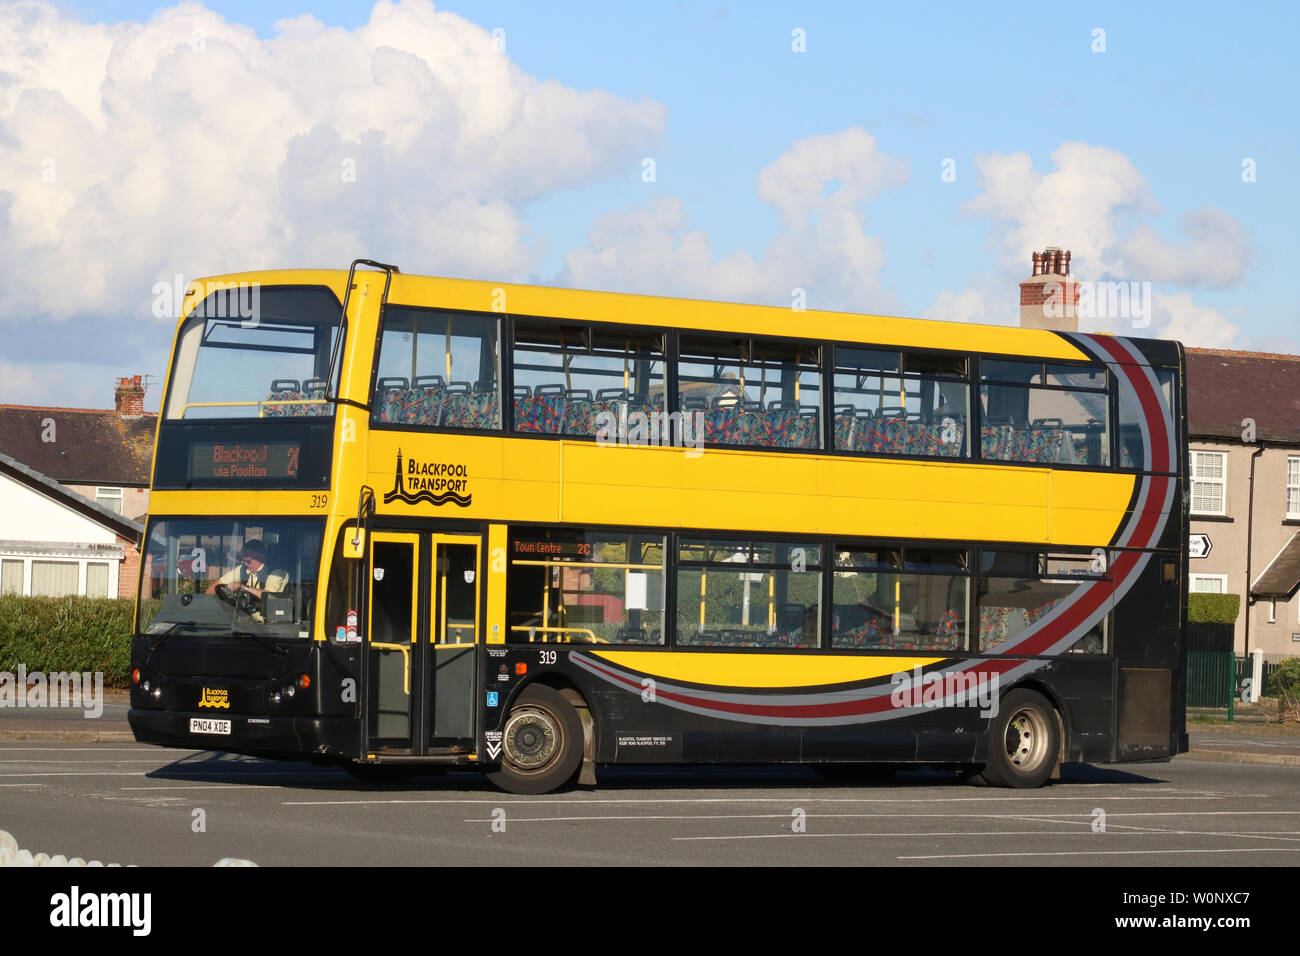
[90,446]
[1225,387]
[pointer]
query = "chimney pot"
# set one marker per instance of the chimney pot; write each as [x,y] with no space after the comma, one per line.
[128,396]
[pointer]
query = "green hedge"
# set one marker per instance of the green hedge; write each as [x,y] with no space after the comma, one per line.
[67,634]
[1213,608]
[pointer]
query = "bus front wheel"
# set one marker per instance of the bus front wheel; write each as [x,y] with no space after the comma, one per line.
[541,744]
[1024,742]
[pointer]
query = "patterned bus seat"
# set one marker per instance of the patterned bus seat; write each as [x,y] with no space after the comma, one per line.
[282,390]
[313,390]
[579,412]
[723,424]
[543,413]
[393,399]
[844,415]
[462,408]
[998,441]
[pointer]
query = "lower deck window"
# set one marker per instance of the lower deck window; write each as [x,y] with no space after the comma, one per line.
[891,599]
[1019,589]
[592,588]
[748,594]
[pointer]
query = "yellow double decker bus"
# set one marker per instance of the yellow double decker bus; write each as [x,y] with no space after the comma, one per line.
[408,521]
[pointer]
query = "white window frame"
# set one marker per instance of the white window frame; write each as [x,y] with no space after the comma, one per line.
[112,494]
[1293,463]
[1193,578]
[1221,481]
[114,571]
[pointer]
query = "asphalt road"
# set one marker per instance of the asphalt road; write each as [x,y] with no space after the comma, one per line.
[127,803]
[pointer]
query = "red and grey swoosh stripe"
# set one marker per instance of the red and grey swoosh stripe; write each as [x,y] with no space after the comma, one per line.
[1049,636]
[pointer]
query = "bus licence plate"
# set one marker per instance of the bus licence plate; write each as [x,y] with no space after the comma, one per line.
[202,725]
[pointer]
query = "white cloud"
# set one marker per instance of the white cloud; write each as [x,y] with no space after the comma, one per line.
[969,305]
[1091,203]
[187,144]
[16,383]
[1217,254]
[1178,317]
[818,186]
[1097,204]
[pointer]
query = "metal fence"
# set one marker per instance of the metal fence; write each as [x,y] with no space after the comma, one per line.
[1211,666]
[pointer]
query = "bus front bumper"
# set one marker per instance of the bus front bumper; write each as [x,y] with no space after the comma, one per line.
[280,737]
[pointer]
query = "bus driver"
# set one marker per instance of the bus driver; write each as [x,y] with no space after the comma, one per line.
[252,574]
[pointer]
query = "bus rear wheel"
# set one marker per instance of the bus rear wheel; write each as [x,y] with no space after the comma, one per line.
[1024,742]
[541,744]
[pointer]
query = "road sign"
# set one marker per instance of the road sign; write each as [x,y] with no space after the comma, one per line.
[1199,546]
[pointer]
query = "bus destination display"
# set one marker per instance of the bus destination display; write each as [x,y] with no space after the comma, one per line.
[218,460]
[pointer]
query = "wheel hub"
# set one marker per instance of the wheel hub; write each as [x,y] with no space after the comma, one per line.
[1026,738]
[531,739]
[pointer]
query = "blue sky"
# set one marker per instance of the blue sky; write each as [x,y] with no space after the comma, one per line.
[1183,93]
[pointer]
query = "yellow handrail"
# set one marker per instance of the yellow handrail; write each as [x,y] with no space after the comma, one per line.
[561,630]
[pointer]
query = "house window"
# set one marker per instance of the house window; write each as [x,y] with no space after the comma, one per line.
[1209,481]
[11,577]
[96,580]
[54,578]
[1293,487]
[110,498]
[1208,583]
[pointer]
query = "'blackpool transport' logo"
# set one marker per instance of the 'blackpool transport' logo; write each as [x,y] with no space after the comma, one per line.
[215,697]
[433,481]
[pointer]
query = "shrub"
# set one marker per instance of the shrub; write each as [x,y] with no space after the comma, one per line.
[67,634]
[1213,608]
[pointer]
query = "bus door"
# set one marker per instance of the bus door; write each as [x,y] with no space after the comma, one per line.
[454,613]
[392,628]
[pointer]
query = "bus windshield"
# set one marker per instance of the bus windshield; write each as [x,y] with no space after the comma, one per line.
[220,576]
[255,352]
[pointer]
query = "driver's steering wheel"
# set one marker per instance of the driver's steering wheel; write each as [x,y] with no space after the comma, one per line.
[239,599]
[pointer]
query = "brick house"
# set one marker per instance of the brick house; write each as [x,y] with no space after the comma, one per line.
[74,488]
[1243,412]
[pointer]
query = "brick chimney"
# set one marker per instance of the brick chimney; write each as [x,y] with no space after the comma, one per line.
[129,397]
[1049,297]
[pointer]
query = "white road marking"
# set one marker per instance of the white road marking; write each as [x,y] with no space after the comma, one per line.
[1084,818]
[86,749]
[108,760]
[978,856]
[215,786]
[806,798]
[78,773]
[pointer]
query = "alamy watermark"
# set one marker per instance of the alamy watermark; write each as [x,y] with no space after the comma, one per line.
[945,689]
[653,429]
[39,690]
[1099,300]
[242,300]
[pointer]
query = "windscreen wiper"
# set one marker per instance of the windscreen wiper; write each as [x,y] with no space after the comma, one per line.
[165,635]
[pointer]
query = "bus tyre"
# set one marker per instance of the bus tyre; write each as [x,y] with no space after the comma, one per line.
[1024,742]
[541,744]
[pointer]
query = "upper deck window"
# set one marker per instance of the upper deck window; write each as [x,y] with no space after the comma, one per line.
[573,379]
[438,369]
[752,391]
[255,352]
[901,403]
[1045,413]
